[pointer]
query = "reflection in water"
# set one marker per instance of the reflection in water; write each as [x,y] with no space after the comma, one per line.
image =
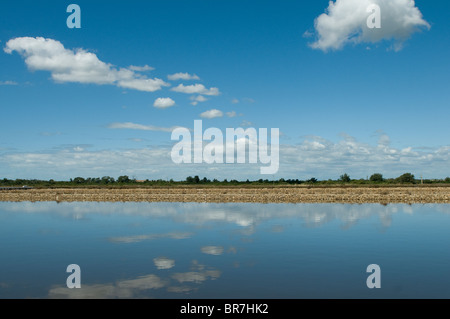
[212,250]
[164,263]
[140,287]
[243,215]
[139,238]
[167,250]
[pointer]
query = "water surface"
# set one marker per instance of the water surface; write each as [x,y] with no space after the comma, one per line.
[192,250]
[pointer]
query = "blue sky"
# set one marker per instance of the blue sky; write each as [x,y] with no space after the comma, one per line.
[344,102]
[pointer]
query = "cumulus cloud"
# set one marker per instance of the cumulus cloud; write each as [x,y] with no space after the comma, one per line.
[345,22]
[196,89]
[231,114]
[79,66]
[211,114]
[134,126]
[164,103]
[182,76]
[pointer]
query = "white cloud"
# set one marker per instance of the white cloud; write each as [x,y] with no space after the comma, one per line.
[164,103]
[235,101]
[211,114]
[79,66]
[345,21]
[231,114]
[182,76]
[134,126]
[144,68]
[196,89]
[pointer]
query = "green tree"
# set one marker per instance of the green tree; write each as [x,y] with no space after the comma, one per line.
[345,178]
[406,178]
[312,180]
[377,177]
[189,180]
[107,180]
[123,179]
[79,180]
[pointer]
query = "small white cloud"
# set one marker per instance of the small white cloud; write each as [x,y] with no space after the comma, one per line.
[196,89]
[231,114]
[211,114]
[197,99]
[182,76]
[163,103]
[235,101]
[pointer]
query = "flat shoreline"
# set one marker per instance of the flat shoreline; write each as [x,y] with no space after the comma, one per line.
[344,194]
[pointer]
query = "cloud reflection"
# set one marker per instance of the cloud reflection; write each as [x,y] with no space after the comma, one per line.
[163,263]
[141,287]
[212,250]
[139,238]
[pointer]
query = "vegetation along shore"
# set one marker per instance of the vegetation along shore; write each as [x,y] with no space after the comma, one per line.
[376,189]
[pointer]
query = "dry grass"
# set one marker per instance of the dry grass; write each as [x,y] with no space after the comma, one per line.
[383,195]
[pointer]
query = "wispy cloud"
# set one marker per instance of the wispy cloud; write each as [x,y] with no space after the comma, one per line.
[8,83]
[144,68]
[134,126]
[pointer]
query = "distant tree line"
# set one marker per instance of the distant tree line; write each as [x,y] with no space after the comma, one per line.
[108,181]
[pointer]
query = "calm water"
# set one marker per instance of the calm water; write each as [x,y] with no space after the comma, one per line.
[176,250]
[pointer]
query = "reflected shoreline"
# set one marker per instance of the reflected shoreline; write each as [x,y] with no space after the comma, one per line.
[344,195]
